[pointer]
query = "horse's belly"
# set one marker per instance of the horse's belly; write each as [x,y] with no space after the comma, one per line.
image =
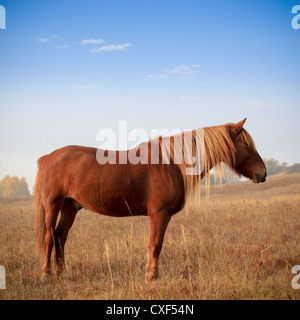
[118,206]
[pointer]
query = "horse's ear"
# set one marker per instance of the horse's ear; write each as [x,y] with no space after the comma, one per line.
[236,128]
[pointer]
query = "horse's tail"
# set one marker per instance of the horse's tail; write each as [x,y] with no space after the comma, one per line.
[40,224]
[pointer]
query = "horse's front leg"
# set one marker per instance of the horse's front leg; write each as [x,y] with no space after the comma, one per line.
[158,225]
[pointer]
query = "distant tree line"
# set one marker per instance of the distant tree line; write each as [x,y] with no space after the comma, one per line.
[13,187]
[274,167]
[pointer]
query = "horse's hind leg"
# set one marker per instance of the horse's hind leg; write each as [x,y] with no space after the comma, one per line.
[68,214]
[51,213]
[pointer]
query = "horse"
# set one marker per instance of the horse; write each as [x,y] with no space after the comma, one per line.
[71,178]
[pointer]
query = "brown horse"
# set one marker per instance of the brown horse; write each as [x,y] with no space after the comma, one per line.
[71,178]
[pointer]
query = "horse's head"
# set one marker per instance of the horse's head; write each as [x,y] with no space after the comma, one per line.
[247,160]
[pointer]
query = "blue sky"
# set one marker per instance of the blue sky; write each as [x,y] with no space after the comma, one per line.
[70,68]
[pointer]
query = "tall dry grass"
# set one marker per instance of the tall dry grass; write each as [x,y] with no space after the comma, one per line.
[241,244]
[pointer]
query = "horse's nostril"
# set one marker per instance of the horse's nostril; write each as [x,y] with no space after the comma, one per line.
[258,177]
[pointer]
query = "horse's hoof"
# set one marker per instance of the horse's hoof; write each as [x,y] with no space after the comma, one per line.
[151,276]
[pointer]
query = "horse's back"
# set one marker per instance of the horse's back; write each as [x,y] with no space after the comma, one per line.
[67,152]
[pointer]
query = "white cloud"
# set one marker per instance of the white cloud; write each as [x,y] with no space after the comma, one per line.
[182,71]
[44,39]
[259,106]
[41,39]
[92,41]
[103,48]
[110,48]
[87,86]
[63,46]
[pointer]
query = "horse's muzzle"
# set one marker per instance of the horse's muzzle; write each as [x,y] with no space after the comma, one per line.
[260,178]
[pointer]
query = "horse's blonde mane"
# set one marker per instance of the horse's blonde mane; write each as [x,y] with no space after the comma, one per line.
[218,148]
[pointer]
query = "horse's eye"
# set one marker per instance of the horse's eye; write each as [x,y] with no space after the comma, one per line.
[247,144]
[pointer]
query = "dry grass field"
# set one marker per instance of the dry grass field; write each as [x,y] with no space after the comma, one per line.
[241,244]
